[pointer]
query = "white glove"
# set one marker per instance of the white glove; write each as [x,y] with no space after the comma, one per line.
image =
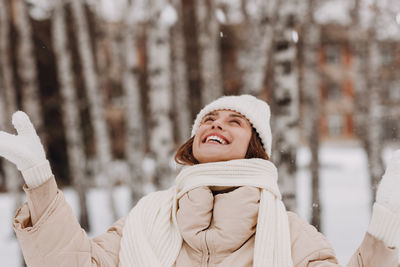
[26,151]
[385,222]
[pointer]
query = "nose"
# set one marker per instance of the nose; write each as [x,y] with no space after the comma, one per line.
[217,124]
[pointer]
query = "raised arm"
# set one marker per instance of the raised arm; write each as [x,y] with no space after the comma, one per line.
[47,229]
[26,151]
[379,247]
[385,221]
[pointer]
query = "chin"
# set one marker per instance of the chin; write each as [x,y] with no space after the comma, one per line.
[213,159]
[215,155]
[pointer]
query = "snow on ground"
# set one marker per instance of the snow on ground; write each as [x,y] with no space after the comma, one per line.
[344,195]
[344,192]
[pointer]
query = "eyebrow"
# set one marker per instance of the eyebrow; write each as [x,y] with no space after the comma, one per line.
[213,113]
[237,116]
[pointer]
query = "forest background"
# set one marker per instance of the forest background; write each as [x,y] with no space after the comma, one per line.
[113,87]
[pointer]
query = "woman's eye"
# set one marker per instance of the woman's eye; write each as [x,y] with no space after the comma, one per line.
[208,119]
[236,121]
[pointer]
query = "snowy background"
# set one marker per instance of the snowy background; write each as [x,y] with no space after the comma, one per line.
[344,191]
[344,185]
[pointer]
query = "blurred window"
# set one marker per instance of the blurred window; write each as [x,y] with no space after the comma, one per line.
[393,91]
[333,54]
[387,56]
[391,130]
[335,125]
[334,91]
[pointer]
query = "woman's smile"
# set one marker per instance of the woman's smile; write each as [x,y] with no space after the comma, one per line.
[215,138]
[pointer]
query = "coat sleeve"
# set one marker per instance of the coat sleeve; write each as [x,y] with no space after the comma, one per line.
[311,249]
[373,252]
[50,235]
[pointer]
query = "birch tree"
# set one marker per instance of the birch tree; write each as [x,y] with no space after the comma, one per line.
[158,49]
[95,98]
[134,149]
[311,93]
[27,68]
[107,54]
[6,72]
[285,100]
[70,110]
[208,31]
[357,47]
[256,43]
[114,69]
[10,172]
[373,142]
[101,55]
[180,88]
[8,99]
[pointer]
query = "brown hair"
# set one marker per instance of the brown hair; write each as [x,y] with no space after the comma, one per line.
[184,154]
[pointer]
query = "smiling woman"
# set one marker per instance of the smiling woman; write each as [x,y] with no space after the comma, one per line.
[225,208]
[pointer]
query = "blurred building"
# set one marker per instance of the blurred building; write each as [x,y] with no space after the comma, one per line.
[389,72]
[337,84]
[338,95]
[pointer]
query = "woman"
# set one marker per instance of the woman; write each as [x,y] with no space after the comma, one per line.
[225,208]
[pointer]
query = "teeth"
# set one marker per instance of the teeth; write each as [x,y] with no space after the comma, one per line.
[216,138]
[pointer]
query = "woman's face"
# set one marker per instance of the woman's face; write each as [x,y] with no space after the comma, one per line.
[222,135]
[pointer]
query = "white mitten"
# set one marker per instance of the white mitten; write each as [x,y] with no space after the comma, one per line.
[26,151]
[385,221]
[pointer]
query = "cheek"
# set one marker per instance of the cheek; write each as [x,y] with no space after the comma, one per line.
[197,137]
[195,145]
[245,140]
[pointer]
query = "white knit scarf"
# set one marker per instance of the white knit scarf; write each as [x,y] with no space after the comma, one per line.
[151,237]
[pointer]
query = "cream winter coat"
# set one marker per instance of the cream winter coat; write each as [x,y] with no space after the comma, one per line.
[47,219]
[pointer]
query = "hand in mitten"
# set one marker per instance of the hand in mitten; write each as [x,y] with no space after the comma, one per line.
[25,151]
[385,222]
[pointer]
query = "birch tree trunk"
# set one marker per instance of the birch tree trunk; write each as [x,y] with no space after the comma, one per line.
[312,108]
[180,88]
[101,56]
[114,69]
[134,150]
[285,101]
[158,48]
[256,43]
[70,110]
[7,88]
[95,98]
[6,72]
[13,178]
[27,68]
[10,172]
[107,55]
[374,144]
[359,65]
[210,60]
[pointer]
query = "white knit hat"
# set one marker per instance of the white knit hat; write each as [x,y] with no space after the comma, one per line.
[255,110]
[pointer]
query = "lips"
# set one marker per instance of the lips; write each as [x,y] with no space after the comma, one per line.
[216,138]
